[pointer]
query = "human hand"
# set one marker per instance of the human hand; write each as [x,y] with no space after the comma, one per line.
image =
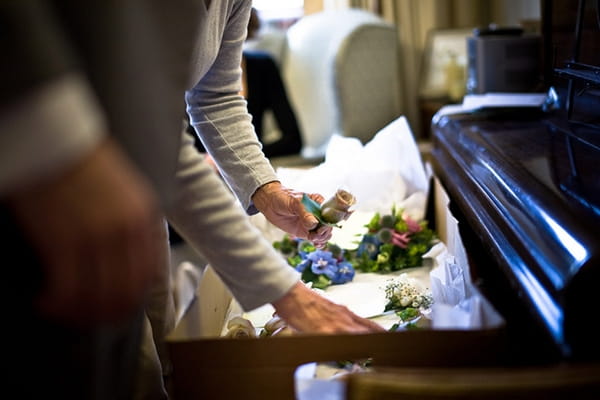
[283,208]
[306,311]
[97,232]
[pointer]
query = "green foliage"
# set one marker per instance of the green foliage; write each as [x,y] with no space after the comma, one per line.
[408,313]
[393,242]
[319,281]
[296,252]
[287,247]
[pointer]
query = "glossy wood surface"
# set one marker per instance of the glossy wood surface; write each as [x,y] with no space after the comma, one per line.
[528,185]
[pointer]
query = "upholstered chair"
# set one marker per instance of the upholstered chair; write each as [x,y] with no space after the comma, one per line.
[341,69]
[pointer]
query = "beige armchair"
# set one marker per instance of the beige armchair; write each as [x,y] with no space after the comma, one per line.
[341,70]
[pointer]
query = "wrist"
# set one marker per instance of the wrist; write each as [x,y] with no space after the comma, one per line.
[261,196]
[289,301]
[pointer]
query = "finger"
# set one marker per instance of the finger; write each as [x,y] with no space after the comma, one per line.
[317,197]
[359,324]
[310,224]
[308,220]
[369,325]
[321,235]
[320,243]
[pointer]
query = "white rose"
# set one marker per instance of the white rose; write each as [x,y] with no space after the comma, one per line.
[239,327]
[405,301]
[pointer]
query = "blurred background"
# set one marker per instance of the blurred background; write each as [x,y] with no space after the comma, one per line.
[429,52]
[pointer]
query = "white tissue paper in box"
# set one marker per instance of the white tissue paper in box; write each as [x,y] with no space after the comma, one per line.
[457,302]
[387,171]
[383,172]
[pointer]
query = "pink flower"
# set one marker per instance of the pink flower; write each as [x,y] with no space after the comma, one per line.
[400,239]
[412,225]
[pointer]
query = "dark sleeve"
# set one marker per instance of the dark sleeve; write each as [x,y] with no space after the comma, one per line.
[278,99]
[33,47]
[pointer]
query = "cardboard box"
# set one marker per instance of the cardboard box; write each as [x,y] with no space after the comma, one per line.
[213,368]
[207,366]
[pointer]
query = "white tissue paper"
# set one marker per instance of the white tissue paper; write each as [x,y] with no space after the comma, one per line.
[388,171]
[383,172]
[457,302]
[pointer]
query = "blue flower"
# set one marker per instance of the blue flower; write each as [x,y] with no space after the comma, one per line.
[345,273]
[303,264]
[369,246]
[323,263]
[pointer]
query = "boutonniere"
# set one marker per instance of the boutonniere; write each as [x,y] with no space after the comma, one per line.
[332,211]
[393,241]
[319,267]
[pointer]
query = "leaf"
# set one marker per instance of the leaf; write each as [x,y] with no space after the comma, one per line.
[319,281]
[408,313]
[311,206]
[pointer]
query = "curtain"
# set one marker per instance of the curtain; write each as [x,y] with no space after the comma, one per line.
[371,5]
[414,19]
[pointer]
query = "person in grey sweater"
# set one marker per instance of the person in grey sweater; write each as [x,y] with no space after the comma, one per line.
[92,160]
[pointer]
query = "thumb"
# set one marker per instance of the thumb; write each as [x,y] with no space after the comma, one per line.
[308,220]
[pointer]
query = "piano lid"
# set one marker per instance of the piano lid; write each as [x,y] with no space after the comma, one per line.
[512,175]
[528,182]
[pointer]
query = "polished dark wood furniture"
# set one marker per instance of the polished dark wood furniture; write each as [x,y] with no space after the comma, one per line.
[530,224]
[525,185]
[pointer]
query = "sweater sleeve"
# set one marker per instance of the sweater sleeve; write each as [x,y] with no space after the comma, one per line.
[206,214]
[220,116]
[47,131]
[49,116]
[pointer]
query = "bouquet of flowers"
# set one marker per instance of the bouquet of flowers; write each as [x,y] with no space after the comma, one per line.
[324,267]
[320,267]
[409,301]
[332,211]
[404,294]
[393,241]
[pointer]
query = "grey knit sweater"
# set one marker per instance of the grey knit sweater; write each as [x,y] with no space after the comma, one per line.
[200,206]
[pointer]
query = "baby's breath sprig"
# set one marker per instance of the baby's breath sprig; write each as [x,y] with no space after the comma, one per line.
[403,293]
